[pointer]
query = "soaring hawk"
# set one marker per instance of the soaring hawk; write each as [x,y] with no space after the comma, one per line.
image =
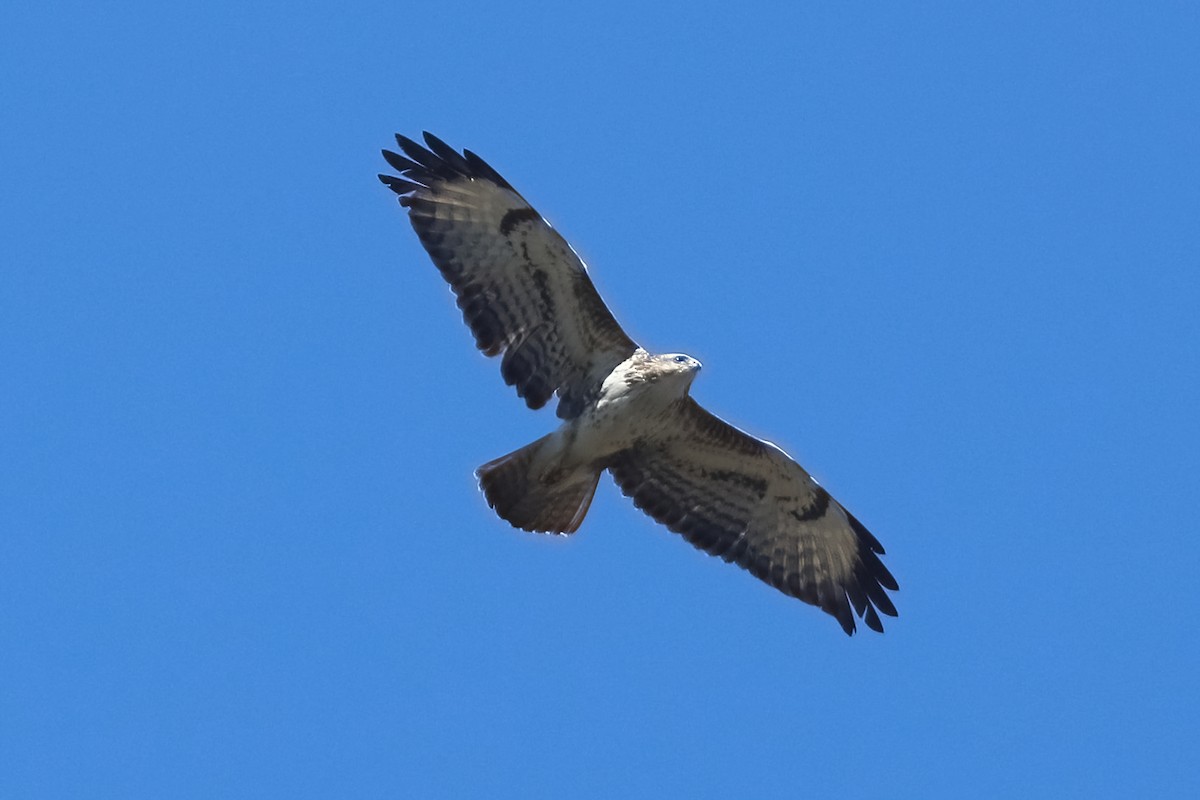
[527,297]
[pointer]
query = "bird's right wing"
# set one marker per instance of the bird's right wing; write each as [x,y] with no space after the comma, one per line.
[522,289]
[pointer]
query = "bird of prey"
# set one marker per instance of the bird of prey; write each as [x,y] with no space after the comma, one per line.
[526,296]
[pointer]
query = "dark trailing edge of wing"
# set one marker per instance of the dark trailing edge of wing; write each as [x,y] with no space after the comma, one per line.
[421,167]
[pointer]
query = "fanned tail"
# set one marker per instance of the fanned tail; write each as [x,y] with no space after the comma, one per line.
[532,502]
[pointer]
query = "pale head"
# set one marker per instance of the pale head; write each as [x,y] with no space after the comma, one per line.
[676,367]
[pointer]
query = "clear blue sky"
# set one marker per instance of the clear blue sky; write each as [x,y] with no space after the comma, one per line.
[945,254]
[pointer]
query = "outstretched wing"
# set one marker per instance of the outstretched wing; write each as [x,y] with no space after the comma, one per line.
[746,501]
[522,289]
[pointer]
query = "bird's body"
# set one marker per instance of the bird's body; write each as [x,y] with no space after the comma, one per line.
[526,294]
[632,402]
[635,400]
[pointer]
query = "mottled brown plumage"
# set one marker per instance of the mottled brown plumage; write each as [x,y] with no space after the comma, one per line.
[526,296]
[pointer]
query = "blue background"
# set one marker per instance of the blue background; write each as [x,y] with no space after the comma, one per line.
[944,254]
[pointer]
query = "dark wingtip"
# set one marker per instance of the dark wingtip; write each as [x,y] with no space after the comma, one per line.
[451,157]
[865,535]
[833,600]
[878,571]
[484,170]
[400,163]
[872,577]
[398,185]
[847,623]
[872,620]
[437,160]
[408,145]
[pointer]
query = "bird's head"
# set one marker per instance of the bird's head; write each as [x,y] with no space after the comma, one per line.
[679,367]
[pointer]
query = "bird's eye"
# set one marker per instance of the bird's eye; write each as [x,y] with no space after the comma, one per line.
[680,359]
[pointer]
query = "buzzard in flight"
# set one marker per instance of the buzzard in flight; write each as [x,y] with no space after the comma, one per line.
[527,297]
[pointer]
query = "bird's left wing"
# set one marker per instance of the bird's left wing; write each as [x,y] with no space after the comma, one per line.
[522,289]
[746,501]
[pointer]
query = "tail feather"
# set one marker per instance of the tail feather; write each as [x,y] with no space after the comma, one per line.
[528,501]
